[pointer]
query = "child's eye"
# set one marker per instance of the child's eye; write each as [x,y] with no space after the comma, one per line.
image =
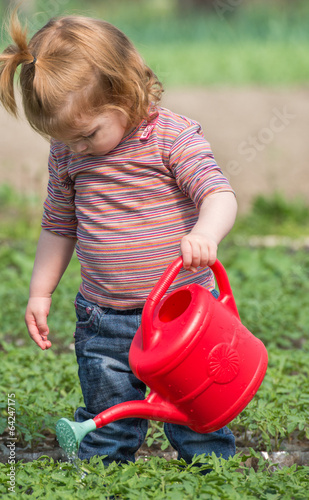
[91,135]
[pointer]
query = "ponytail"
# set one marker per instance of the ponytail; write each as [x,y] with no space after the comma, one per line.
[10,59]
[75,56]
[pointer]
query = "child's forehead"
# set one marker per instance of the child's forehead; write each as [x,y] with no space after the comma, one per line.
[80,126]
[72,127]
[85,124]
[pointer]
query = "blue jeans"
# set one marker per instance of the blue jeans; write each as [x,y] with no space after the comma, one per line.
[102,341]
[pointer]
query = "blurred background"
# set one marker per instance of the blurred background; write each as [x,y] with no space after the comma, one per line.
[239,67]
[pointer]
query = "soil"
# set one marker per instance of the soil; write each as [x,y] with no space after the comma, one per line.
[259,137]
[291,452]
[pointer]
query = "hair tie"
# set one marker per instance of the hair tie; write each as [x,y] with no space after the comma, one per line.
[34,60]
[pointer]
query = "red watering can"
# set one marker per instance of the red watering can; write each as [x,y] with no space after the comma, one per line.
[201,364]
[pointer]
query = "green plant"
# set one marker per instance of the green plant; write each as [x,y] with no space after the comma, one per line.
[156,436]
[272,294]
[159,479]
[42,393]
[275,215]
[279,411]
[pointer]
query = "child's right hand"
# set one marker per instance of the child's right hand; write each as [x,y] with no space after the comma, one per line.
[36,320]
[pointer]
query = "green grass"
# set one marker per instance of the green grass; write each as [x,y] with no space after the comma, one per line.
[238,63]
[275,215]
[158,479]
[271,288]
[254,44]
[42,389]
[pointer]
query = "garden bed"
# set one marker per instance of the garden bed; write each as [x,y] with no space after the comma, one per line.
[292,451]
[270,280]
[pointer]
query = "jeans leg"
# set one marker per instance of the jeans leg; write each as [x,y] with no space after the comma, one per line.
[102,342]
[188,443]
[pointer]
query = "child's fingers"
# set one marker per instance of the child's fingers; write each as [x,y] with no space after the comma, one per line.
[38,330]
[41,323]
[209,255]
[190,251]
[38,338]
[197,251]
[204,256]
[196,254]
[186,252]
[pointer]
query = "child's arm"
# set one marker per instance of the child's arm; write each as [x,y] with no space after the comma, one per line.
[216,218]
[52,258]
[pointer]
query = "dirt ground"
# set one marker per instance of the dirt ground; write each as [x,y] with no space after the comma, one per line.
[259,138]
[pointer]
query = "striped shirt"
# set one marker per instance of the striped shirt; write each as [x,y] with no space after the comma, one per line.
[130,208]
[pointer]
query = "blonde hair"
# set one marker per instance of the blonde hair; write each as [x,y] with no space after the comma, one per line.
[76,65]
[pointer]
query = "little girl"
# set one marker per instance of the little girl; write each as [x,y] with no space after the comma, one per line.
[131,184]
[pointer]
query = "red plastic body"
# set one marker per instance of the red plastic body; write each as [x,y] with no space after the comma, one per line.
[201,364]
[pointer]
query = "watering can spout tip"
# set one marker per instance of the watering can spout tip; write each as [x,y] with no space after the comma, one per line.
[70,434]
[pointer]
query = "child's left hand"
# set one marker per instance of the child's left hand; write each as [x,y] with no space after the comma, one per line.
[198,249]
[216,217]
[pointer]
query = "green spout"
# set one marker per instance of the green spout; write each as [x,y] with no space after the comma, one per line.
[70,434]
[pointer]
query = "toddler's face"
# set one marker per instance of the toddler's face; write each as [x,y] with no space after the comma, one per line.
[98,135]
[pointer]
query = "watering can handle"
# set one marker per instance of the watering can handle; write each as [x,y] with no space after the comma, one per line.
[226,295]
